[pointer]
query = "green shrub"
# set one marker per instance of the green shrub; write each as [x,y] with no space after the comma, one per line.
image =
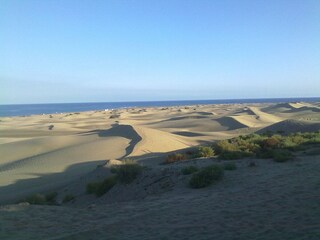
[41,199]
[281,155]
[175,157]
[68,198]
[205,152]
[128,171]
[189,170]
[206,176]
[225,146]
[51,197]
[229,166]
[100,188]
[272,142]
[36,198]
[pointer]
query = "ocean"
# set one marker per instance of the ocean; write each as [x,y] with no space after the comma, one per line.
[30,109]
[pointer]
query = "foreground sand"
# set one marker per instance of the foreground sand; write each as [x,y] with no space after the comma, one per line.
[271,201]
[63,152]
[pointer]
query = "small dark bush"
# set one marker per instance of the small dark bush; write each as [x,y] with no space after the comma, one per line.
[281,155]
[68,198]
[41,199]
[100,188]
[206,176]
[37,198]
[175,157]
[230,166]
[189,170]
[114,116]
[51,197]
[128,171]
[190,153]
[205,152]
[252,164]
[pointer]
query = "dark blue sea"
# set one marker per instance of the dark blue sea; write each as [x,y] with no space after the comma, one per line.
[30,109]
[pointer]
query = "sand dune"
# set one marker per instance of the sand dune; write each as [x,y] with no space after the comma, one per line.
[256,118]
[292,126]
[291,108]
[36,157]
[156,141]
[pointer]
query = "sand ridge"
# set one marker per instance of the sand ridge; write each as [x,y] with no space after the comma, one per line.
[35,146]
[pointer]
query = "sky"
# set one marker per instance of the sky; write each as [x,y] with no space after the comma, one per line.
[57,51]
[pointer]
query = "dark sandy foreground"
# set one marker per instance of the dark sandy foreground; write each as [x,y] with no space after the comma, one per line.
[270,201]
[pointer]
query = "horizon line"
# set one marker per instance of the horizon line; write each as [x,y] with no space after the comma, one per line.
[175,100]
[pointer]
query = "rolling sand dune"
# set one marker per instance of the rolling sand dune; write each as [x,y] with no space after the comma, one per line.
[256,118]
[64,152]
[292,108]
[292,126]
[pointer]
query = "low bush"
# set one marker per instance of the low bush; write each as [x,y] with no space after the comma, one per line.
[205,152]
[229,166]
[175,157]
[189,170]
[128,171]
[36,198]
[225,146]
[68,198]
[42,199]
[100,188]
[206,176]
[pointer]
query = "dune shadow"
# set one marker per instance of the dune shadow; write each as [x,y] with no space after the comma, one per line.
[119,130]
[49,182]
[188,134]
[230,123]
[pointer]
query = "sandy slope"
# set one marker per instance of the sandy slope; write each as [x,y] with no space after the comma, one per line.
[271,201]
[43,152]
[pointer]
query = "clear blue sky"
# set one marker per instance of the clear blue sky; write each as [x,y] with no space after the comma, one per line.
[85,51]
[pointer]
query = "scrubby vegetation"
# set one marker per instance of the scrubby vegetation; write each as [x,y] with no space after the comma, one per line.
[175,157]
[128,171]
[204,151]
[42,199]
[206,176]
[267,145]
[68,198]
[189,170]
[100,188]
[124,173]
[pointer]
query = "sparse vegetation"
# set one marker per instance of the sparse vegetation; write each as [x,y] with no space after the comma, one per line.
[175,157]
[229,166]
[206,176]
[267,145]
[189,170]
[204,151]
[128,171]
[100,188]
[67,198]
[124,173]
[42,199]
